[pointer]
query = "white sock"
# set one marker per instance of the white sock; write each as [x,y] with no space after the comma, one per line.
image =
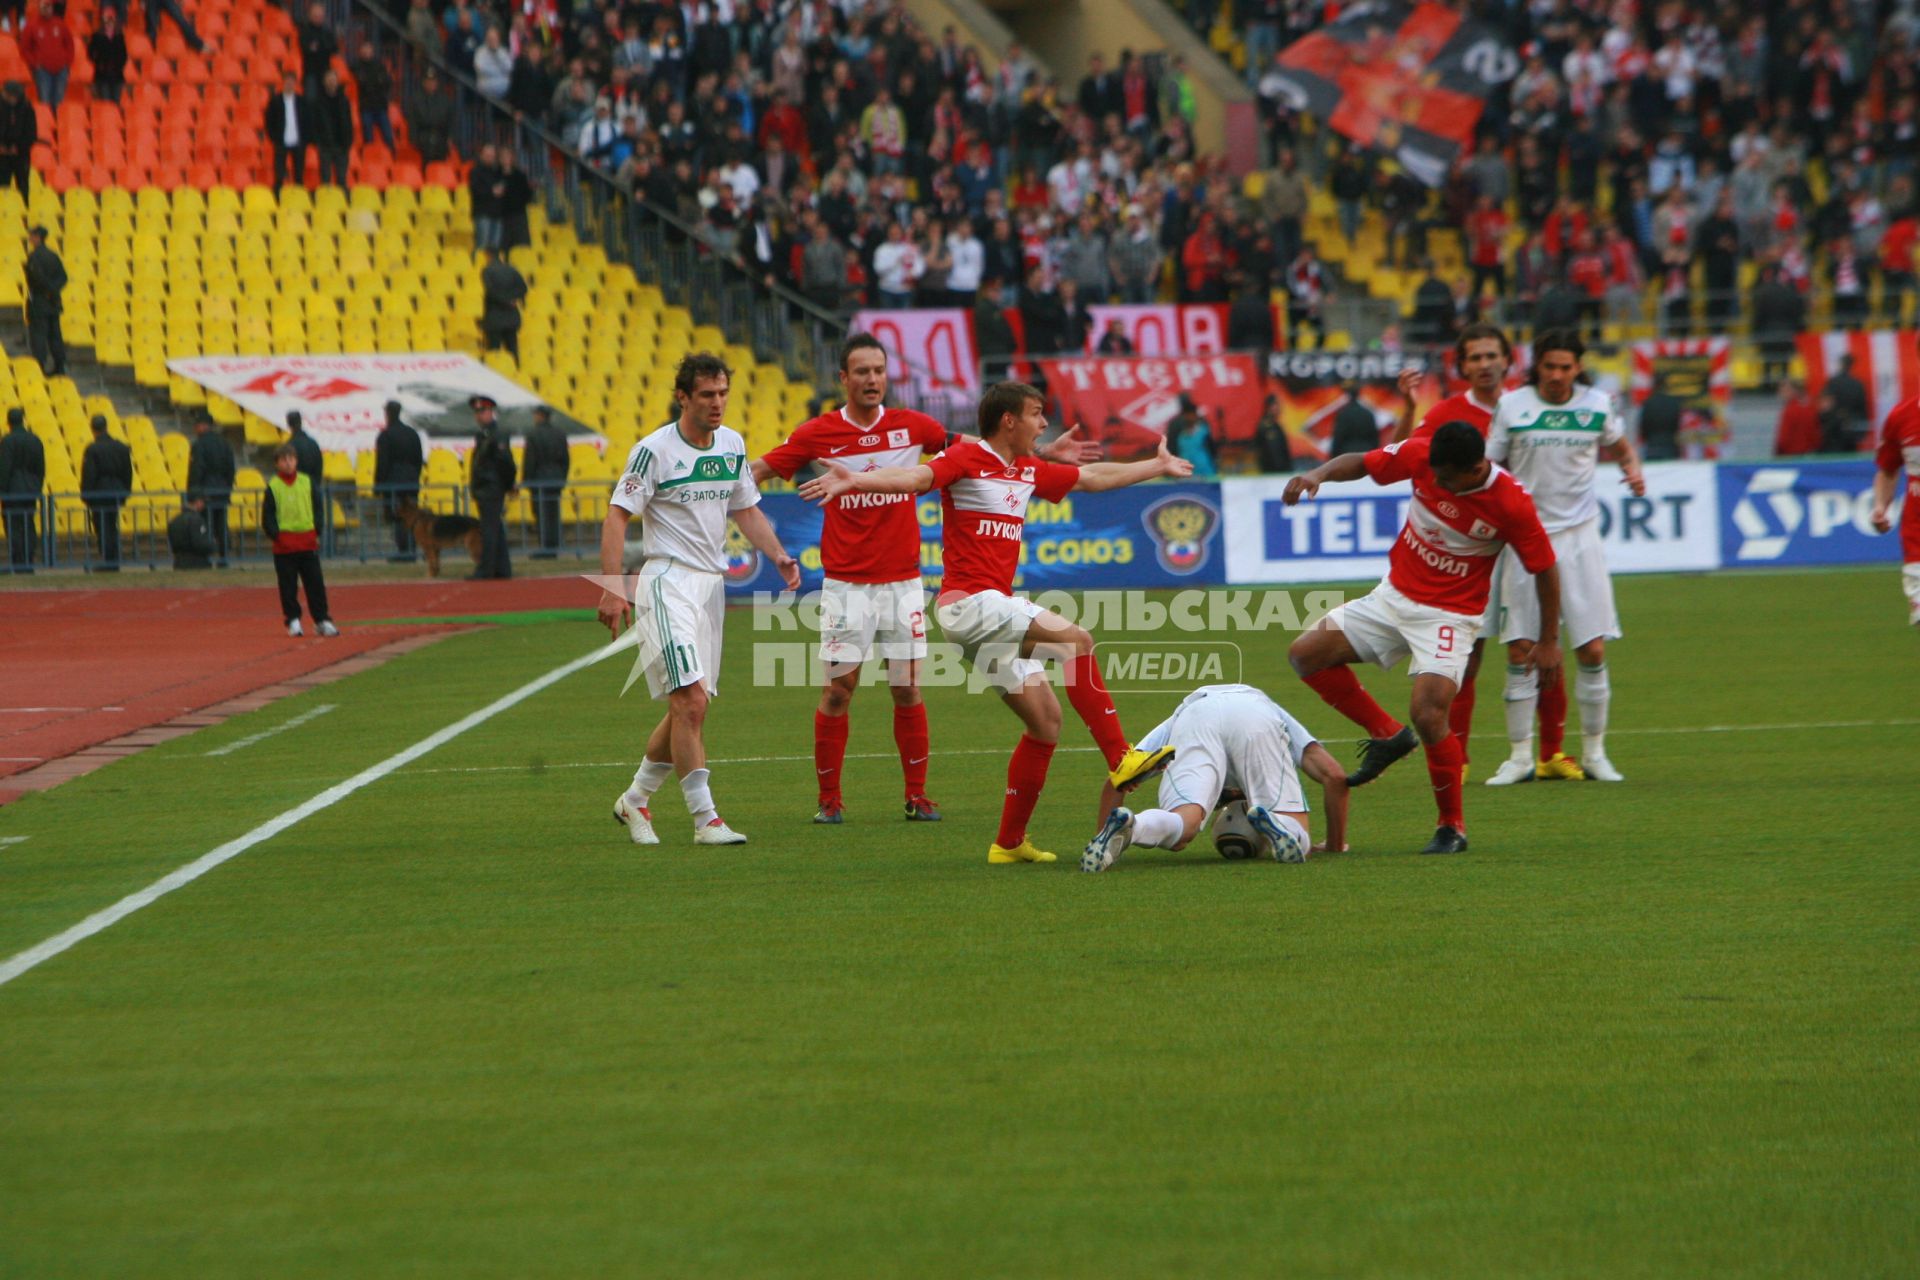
[651,774]
[699,798]
[1910,580]
[1157,828]
[1523,703]
[1593,691]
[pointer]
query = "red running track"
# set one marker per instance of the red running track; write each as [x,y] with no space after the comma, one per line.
[81,668]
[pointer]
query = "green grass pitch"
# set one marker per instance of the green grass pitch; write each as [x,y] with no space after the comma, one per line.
[455,1024]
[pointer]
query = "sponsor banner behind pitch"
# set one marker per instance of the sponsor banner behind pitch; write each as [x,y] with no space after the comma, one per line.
[1810,513]
[1345,533]
[1161,535]
[931,351]
[1126,402]
[342,399]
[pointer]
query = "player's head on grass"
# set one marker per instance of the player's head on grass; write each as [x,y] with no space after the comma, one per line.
[1482,354]
[863,372]
[1458,457]
[1556,364]
[700,387]
[1012,416]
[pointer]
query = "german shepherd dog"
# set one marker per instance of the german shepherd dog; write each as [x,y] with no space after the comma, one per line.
[433,532]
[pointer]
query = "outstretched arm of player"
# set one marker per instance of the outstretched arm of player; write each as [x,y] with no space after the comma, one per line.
[761,471]
[839,480]
[1318,763]
[1408,384]
[1100,476]
[753,522]
[1546,650]
[1623,452]
[1071,449]
[1348,466]
[1884,483]
[616,611]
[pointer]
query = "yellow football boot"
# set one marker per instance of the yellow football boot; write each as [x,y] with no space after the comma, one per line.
[1560,769]
[1024,852]
[1137,766]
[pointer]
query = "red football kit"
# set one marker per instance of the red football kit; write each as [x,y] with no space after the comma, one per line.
[867,537]
[1900,448]
[1460,408]
[1445,554]
[983,499]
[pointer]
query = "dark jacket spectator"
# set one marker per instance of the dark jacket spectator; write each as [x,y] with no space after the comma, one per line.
[19,131]
[1250,321]
[1660,417]
[106,468]
[530,88]
[546,457]
[398,457]
[107,51]
[1271,443]
[1431,324]
[429,114]
[189,538]
[992,333]
[1355,428]
[210,466]
[317,45]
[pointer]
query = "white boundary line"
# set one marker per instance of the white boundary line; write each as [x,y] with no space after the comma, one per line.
[1000,751]
[313,713]
[35,956]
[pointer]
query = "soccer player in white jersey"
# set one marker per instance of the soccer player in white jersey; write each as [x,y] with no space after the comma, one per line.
[684,481]
[872,600]
[1230,737]
[986,486]
[1553,434]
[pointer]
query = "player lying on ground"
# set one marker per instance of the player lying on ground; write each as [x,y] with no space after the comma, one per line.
[684,481]
[985,488]
[1900,447]
[1554,434]
[1464,510]
[1482,355]
[872,599]
[1228,737]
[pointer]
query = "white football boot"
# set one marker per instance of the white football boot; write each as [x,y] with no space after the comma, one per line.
[1115,834]
[717,832]
[1600,769]
[637,821]
[1514,770]
[294,628]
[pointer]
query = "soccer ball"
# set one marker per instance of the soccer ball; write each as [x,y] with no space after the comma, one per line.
[1233,835]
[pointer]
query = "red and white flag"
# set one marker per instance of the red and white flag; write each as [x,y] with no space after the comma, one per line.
[1885,361]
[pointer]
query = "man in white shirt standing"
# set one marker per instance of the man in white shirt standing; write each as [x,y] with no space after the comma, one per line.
[896,265]
[286,129]
[969,262]
[1553,434]
[685,481]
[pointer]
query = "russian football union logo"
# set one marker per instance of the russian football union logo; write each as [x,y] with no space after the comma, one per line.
[1180,528]
[743,562]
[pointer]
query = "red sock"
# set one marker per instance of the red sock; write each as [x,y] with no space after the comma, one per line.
[1026,775]
[829,752]
[910,735]
[1443,766]
[1460,718]
[1340,689]
[1091,701]
[1553,716]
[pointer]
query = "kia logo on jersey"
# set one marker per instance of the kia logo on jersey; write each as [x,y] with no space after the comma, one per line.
[1447,509]
[867,442]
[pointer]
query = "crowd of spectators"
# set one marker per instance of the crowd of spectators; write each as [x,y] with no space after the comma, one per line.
[1661,154]
[841,151]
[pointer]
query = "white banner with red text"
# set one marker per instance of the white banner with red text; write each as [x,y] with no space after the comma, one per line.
[342,399]
[930,352]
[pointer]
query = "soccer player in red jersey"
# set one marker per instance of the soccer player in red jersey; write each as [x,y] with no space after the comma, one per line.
[870,547]
[1900,447]
[1482,355]
[985,486]
[1440,571]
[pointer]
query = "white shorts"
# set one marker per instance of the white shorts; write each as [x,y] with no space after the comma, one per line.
[1586,591]
[1225,742]
[863,620]
[989,627]
[678,613]
[1384,626]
